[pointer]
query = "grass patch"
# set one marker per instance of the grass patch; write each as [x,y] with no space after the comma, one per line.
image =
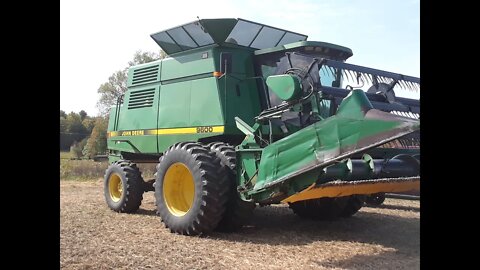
[83,170]
[65,155]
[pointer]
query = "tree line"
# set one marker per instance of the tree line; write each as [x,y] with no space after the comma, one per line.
[83,135]
[86,136]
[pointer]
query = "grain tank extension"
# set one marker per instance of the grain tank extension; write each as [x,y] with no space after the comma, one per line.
[243,114]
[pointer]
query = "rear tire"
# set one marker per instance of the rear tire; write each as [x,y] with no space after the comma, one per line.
[123,186]
[320,209]
[238,211]
[191,189]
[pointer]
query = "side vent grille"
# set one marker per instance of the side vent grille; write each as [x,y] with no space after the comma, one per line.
[145,75]
[141,98]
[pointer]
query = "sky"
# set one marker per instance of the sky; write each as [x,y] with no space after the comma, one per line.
[98,38]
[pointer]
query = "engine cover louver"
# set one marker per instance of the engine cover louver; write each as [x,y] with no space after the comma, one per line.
[145,75]
[141,98]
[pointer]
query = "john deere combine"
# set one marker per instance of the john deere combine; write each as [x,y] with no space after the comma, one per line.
[242,113]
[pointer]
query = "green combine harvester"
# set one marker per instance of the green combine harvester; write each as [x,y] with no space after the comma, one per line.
[243,114]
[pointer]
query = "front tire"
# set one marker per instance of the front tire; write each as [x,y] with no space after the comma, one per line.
[191,189]
[123,187]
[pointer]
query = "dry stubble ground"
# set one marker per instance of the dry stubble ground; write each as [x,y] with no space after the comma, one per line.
[94,237]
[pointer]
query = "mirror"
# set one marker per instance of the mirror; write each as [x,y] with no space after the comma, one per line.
[226,62]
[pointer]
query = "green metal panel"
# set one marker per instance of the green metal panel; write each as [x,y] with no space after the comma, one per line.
[187,100]
[286,87]
[134,117]
[195,62]
[238,91]
[124,144]
[111,118]
[192,103]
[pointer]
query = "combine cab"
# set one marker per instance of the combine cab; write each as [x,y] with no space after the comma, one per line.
[242,113]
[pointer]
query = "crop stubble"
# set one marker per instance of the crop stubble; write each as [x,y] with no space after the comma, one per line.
[94,237]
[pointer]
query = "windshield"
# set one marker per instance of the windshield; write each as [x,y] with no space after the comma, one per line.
[274,64]
[327,78]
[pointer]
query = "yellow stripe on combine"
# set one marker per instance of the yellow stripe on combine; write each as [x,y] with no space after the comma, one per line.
[113,133]
[169,131]
[174,131]
[190,130]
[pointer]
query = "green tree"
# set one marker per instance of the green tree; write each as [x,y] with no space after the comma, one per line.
[63,125]
[89,124]
[117,82]
[83,115]
[63,122]
[74,124]
[76,148]
[97,142]
[145,57]
[73,128]
[111,90]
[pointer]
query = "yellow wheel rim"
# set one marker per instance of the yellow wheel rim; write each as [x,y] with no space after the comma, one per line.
[178,189]
[115,187]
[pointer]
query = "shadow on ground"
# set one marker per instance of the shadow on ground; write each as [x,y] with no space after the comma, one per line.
[397,232]
[276,225]
[395,207]
[145,212]
[279,226]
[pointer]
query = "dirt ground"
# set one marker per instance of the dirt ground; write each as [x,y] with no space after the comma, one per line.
[94,237]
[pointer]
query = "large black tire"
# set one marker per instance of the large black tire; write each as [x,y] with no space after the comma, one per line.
[238,211]
[375,199]
[320,209]
[355,202]
[191,189]
[123,186]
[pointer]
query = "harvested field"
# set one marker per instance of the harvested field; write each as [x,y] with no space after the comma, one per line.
[94,237]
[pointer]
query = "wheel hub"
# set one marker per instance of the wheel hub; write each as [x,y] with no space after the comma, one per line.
[178,189]
[115,187]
